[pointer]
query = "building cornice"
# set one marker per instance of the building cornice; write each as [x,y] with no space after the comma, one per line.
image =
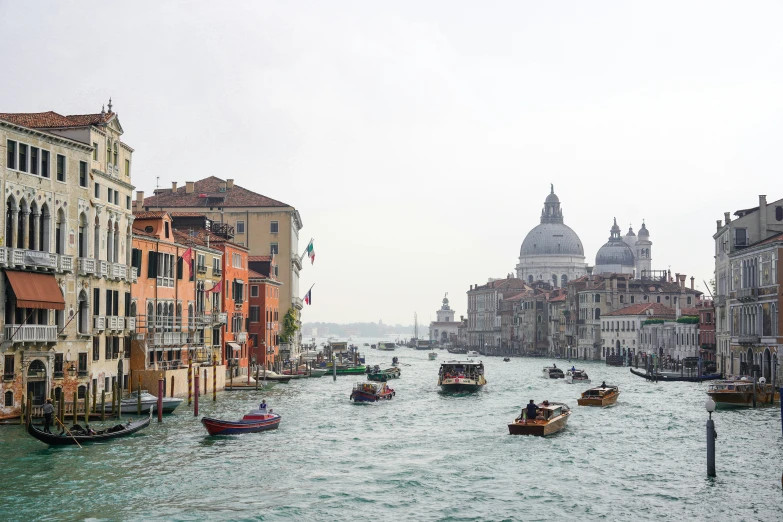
[105,176]
[47,135]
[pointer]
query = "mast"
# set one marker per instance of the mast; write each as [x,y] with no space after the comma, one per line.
[415,326]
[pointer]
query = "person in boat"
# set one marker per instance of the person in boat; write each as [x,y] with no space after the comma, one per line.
[603,384]
[531,410]
[573,368]
[554,365]
[48,411]
[262,406]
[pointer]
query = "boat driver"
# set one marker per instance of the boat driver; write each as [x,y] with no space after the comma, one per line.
[262,406]
[532,410]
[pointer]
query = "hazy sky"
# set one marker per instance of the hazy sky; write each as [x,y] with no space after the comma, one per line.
[418,139]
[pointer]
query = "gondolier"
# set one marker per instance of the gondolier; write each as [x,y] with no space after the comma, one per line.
[48,411]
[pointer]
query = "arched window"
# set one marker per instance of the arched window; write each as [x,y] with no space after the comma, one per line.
[33,229]
[24,212]
[622,298]
[554,280]
[81,392]
[9,399]
[44,230]
[10,213]
[150,315]
[60,231]
[84,314]
[96,248]
[563,280]
[83,235]
[108,151]
[539,319]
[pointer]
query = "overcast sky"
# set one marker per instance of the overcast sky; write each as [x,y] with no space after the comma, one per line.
[418,139]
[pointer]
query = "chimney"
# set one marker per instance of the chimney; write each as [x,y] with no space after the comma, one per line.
[229,184]
[140,197]
[692,278]
[727,217]
[762,217]
[190,186]
[173,186]
[682,281]
[720,224]
[677,278]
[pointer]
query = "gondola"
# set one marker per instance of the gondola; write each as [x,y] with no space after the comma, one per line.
[115,432]
[660,377]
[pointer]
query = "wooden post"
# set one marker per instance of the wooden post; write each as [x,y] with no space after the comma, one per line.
[138,397]
[214,380]
[23,416]
[172,386]
[195,404]
[61,406]
[87,406]
[190,384]
[28,411]
[205,381]
[103,405]
[94,399]
[256,378]
[161,388]
[75,404]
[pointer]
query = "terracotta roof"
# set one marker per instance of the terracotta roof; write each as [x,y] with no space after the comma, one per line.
[52,120]
[689,311]
[259,258]
[559,298]
[642,308]
[252,274]
[777,237]
[150,215]
[210,187]
[139,232]
[187,214]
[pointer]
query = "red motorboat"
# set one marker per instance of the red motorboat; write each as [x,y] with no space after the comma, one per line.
[371,392]
[252,422]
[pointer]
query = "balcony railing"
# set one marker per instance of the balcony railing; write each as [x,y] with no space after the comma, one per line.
[297,302]
[216,270]
[242,337]
[748,339]
[30,333]
[99,322]
[169,338]
[19,257]
[86,266]
[747,294]
[3,256]
[115,322]
[65,263]
[133,274]
[101,268]
[117,271]
[130,323]
[201,269]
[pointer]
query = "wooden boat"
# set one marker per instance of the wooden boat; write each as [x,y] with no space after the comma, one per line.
[130,404]
[552,418]
[553,372]
[252,422]
[432,355]
[371,392]
[383,375]
[603,395]
[81,435]
[671,377]
[739,393]
[577,376]
[461,376]
[244,385]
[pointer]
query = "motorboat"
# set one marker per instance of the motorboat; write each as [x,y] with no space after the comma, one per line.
[553,372]
[77,434]
[506,359]
[603,395]
[461,376]
[387,347]
[130,404]
[376,374]
[371,392]
[473,353]
[432,356]
[577,376]
[552,417]
[252,422]
[739,393]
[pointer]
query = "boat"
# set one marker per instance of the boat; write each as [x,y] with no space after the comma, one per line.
[739,393]
[673,377]
[553,372]
[373,347]
[577,376]
[506,359]
[346,370]
[82,436]
[386,347]
[252,422]
[371,392]
[130,404]
[395,361]
[366,344]
[422,344]
[376,374]
[553,418]
[461,376]
[244,385]
[306,372]
[432,355]
[270,375]
[603,395]
[473,353]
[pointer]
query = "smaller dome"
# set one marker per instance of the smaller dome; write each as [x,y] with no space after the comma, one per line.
[614,253]
[643,232]
[630,232]
[552,197]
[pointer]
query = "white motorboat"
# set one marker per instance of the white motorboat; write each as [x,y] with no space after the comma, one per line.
[576,376]
[433,356]
[553,372]
[130,404]
[473,353]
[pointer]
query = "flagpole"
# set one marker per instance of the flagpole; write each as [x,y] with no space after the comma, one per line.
[310,289]
[306,248]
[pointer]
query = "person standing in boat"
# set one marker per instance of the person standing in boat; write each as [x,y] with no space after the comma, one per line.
[48,411]
[532,410]
[262,407]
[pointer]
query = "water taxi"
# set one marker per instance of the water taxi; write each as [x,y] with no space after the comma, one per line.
[577,376]
[376,374]
[432,356]
[473,353]
[371,392]
[603,395]
[552,417]
[461,376]
[387,347]
[739,394]
[553,372]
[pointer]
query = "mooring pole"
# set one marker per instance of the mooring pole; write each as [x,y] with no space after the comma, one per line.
[161,389]
[190,377]
[195,398]
[711,436]
[214,380]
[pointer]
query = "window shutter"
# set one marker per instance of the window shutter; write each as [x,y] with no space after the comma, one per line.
[152,264]
[127,304]
[116,302]
[109,302]
[96,298]
[179,268]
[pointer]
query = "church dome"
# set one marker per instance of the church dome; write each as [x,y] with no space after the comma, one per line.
[615,251]
[643,232]
[549,239]
[630,232]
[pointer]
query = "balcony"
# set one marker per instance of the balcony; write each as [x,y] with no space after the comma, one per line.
[130,323]
[216,270]
[222,318]
[33,259]
[133,274]
[101,268]
[99,322]
[580,321]
[115,322]
[65,263]
[297,302]
[86,266]
[30,333]
[748,339]
[747,294]
[117,271]
[242,337]
[169,338]
[201,269]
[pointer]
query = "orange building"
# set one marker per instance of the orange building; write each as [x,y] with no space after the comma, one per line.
[264,325]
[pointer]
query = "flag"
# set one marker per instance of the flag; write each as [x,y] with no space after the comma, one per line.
[188,256]
[311,252]
[308,297]
[217,288]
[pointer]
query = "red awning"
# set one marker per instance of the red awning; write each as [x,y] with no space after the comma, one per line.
[34,290]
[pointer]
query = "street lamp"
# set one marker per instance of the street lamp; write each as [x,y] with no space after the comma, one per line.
[72,371]
[711,436]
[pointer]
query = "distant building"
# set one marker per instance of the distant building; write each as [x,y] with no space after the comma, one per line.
[621,329]
[444,330]
[484,332]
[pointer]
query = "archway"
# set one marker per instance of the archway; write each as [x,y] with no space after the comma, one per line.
[36,382]
[751,363]
[766,370]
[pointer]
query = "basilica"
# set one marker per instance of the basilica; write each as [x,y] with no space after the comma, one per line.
[553,252]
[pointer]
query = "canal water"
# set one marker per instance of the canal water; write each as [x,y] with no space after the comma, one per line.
[422,456]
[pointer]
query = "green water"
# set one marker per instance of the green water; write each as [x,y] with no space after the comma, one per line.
[421,456]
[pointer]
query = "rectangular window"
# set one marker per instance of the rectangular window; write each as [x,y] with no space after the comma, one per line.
[82,173]
[216,266]
[254,291]
[82,362]
[255,314]
[45,163]
[61,168]
[109,192]
[11,148]
[127,202]
[275,270]
[117,197]
[166,226]
[273,249]
[240,227]
[127,167]
[273,227]
[96,348]
[97,191]
[34,158]
[23,157]
[95,151]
